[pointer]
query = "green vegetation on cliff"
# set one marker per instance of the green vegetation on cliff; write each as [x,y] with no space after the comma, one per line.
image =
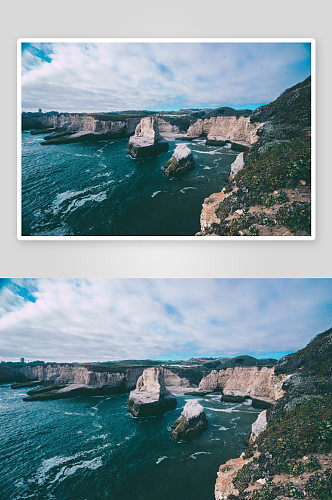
[298,439]
[273,188]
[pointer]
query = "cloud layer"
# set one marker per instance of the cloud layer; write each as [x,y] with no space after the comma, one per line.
[112,319]
[94,77]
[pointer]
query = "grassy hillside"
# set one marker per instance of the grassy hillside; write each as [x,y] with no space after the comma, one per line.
[272,191]
[296,446]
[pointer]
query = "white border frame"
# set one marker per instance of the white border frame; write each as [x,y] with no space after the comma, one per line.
[312,41]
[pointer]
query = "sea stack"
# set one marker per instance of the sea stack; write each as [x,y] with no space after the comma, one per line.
[147,141]
[181,162]
[191,422]
[151,398]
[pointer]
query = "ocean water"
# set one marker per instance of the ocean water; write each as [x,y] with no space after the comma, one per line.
[91,448]
[96,189]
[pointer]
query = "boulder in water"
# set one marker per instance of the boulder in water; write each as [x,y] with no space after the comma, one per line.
[191,422]
[181,162]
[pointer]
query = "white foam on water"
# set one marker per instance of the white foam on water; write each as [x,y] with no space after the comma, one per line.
[160,459]
[93,197]
[222,428]
[154,194]
[199,453]
[106,174]
[96,425]
[93,464]
[226,410]
[207,168]
[186,189]
[102,436]
[214,152]
[73,413]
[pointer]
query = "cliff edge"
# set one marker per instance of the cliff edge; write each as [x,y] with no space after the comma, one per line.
[269,189]
[292,456]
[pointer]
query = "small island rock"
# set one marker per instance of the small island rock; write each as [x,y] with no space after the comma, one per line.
[151,398]
[147,141]
[181,162]
[191,422]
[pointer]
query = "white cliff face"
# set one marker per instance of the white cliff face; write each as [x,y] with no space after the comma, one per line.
[150,396]
[151,381]
[173,380]
[147,141]
[166,127]
[245,381]
[148,129]
[236,166]
[75,374]
[226,128]
[88,123]
[258,426]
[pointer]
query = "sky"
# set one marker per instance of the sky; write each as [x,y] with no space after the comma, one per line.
[87,320]
[103,77]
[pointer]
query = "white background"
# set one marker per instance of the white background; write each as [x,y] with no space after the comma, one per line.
[159,18]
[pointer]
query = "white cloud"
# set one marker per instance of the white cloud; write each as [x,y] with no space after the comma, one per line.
[116,76]
[90,320]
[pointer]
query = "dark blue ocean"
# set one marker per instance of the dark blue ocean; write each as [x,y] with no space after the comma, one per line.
[96,189]
[92,449]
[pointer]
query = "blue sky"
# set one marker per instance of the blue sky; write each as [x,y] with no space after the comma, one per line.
[85,320]
[95,77]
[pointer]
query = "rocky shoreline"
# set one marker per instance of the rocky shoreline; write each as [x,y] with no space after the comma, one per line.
[269,186]
[290,445]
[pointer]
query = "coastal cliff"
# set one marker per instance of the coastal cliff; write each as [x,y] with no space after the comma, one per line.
[269,190]
[63,380]
[289,455]
[260,385]
[240,132]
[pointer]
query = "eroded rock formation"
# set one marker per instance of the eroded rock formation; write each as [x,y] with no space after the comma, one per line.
[66,380]
[224,486]
[261,385]
[240,132]
[191,422]
[182,162]
[151,397]
[271,195]
[173,380]
[81,127]
[236,166]
[258,426]
[147,141]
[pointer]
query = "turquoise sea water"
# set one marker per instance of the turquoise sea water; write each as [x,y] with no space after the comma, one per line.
[96,189]
[91,448]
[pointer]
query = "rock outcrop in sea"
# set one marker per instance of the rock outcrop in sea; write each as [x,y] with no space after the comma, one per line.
[147,141]
[191,422]
[151,398]
[182,162]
